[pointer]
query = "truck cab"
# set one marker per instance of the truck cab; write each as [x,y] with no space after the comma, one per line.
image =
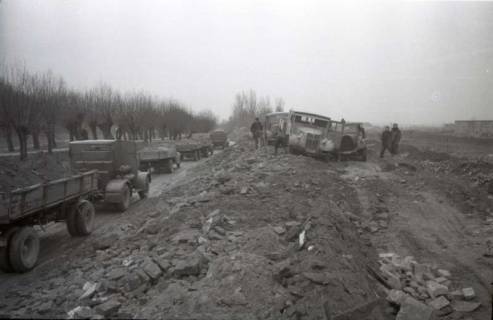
[117,163]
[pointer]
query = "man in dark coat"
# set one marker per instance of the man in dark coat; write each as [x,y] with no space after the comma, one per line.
[256,129]
[396,138]
[386,141]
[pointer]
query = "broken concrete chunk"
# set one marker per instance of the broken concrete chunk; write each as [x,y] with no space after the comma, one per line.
[396,297]
[439,303]
[162,263]
[468,293]
[186,236]
[412,309]
[444,273]
[109,307]
[152,269]
[301,239]
[80,313]
[464,306]
[190,266]
[279,230]
[89,289]
[435,289]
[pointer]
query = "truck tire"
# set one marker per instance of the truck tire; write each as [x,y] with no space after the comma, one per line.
[71,221]
[144,193]
[168,166]
[24,249]
[5,265]
[84,218]
[125,203]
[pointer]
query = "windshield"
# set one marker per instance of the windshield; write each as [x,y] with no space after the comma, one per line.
[310,121]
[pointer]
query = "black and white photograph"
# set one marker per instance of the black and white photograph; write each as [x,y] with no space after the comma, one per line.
[246,159]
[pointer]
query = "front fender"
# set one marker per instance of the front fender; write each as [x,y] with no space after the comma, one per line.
[113,192]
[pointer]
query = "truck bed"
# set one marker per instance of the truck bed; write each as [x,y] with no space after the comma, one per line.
[22,202]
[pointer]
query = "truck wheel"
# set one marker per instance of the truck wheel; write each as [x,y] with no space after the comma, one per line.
[5,265]
[168,168]
[144,193]
[24,249]
[71,221]
[125,203]
[84,218]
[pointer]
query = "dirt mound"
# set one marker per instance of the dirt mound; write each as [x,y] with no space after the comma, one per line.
[38,168]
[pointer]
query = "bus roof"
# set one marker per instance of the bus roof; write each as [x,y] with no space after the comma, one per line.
[311,115]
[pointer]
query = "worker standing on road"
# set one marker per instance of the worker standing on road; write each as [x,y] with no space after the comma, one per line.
[280,136]
[396,138]
[386,141]
[256,130]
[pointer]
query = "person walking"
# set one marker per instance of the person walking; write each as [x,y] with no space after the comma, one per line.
[386,141]
[256,129]
[396,138]
[280,137]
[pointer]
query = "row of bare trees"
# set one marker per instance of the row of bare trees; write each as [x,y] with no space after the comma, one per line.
[247,106]
[34,105]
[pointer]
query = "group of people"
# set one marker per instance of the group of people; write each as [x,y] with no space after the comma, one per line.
[390,140]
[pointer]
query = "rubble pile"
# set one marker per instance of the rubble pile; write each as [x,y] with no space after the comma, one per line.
[422,289]
[38,168]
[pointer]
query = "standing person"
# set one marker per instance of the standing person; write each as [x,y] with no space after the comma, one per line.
[256,129]
[386,141]
[396,138]
[280,136]
[361,131]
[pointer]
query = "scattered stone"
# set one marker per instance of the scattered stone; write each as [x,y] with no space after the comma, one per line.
[244,190]
[152,226]
[45,307]
[89,289]
[396,297]
[444,273]
[190,266]
[186,236]
[133,281]
[163,263]
[105,242]
[116,274]
[279,230]
[464,306]
[319,278]
[80,313]
[468,293]
[152,269]
[109,307]
[439,303]
[412,309]
[456,295]
[435,289]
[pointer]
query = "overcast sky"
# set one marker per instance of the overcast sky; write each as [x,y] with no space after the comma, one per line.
[412,62]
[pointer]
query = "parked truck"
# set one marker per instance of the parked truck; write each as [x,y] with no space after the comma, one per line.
[272,123]
[219,138]
[117,163]
[159,159]
[67,199]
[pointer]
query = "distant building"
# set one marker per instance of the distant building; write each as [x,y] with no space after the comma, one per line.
[474,128]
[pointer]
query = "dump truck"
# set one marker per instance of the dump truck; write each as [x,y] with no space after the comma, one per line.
[194,150]
[117,163]
[66,199]
[159,159]
[219,138]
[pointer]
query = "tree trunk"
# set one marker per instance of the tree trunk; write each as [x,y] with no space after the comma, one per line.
[106,129]
[22,135]
[94,130]
[50,142]
[8,137]
[35,135]
[53,139]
